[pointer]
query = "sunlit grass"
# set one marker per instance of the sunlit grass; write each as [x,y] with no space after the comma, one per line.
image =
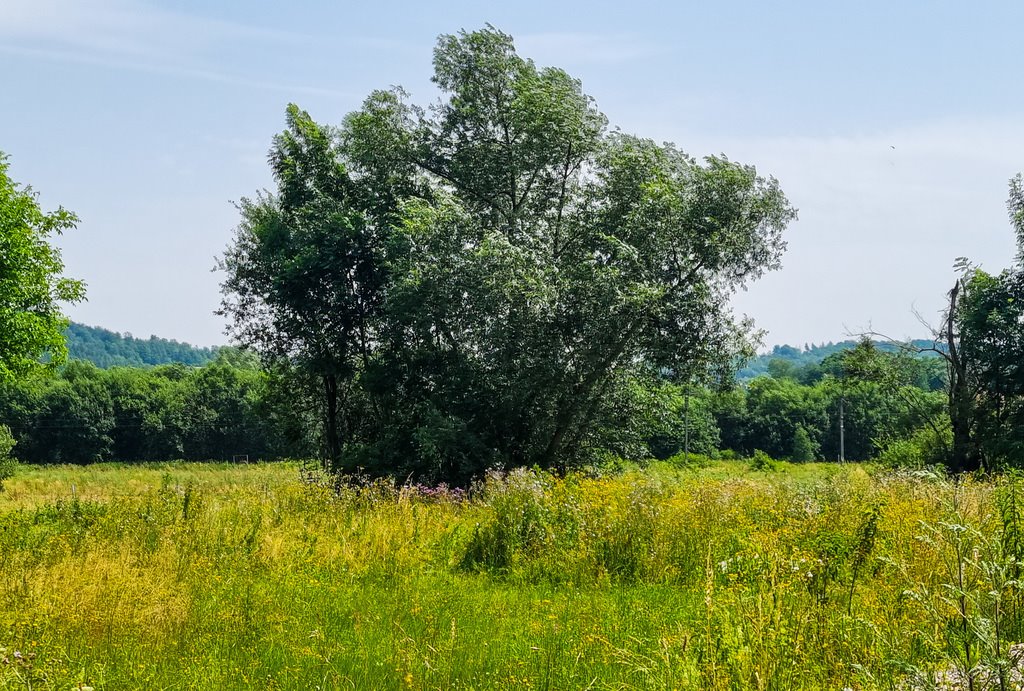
[204,576]
[34,485]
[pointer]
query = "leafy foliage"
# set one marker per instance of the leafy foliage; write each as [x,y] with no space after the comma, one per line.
[304,274]
[7,464]
[31,282]
[487,282]
[803,447]
[990,318]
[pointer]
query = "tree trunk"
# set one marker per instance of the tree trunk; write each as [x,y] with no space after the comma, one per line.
[964,456]
[333,440]
[581,396]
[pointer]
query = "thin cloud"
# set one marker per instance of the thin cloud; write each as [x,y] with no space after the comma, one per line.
[173,71]
[124,27]
[133,28]
[129,35]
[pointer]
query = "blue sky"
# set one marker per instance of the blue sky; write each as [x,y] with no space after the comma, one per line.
[893,127]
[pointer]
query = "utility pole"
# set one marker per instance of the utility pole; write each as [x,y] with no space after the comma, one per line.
[686,424]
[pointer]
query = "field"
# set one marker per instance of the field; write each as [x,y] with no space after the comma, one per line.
[718,577]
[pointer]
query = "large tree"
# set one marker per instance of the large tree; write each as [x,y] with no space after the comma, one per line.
[528,268]
[32,285]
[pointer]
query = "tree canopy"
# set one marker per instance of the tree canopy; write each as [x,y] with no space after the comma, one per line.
[486,281]
[32,285]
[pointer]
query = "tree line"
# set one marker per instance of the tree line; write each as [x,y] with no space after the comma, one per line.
[232,408]
[810,354]
[85,414]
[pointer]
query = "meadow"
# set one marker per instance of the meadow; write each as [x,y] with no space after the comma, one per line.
[715,576]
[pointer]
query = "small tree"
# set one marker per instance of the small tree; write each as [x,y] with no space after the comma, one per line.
[981,338]
[7,464]
[803,447]
[31,284]
[981,341]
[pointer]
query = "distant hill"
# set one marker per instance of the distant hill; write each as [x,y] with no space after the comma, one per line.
[110,349]
[810,354]
[106,348]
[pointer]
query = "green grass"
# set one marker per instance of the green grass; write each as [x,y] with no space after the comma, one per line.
[212,576]
[34,485]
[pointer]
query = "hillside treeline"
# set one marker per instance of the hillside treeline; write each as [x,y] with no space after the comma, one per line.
[811,354]
[231,408]
[85,414]
[106,348]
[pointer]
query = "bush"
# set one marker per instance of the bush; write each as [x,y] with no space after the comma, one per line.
[803,447]
[520,521]
[691,460]
[924,448]
[762,461]
[7,464]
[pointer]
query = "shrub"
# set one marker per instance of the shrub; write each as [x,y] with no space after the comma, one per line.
[520,520]
[762,461]
[924,448]
[7,464]
[691,460]
[803,447]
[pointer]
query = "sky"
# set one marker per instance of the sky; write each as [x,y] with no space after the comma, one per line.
[893,127]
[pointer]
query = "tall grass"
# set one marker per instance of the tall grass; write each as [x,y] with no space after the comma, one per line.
[817,577]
